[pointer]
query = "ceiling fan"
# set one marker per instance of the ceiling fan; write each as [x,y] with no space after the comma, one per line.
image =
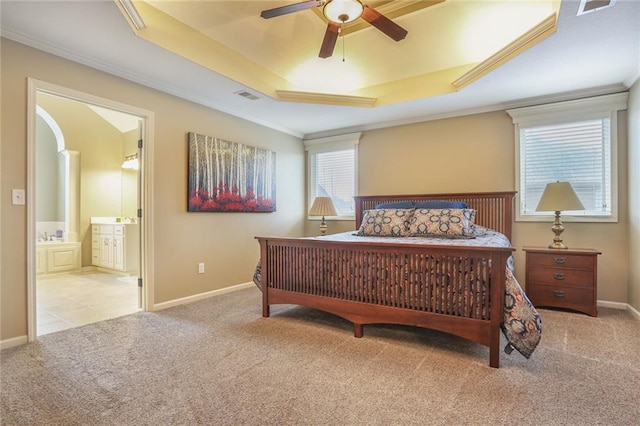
[340,12]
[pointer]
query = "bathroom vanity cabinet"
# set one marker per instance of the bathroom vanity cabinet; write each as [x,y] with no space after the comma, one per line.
[115,246]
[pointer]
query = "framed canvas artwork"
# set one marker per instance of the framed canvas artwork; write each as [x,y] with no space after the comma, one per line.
[230,177]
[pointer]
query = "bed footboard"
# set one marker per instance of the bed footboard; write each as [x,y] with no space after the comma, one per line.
[450,289]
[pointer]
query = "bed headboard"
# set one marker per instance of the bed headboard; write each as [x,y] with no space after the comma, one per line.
[493,209]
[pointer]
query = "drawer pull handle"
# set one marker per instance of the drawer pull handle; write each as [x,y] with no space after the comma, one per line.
[560,260]
[558,276]
[558,293]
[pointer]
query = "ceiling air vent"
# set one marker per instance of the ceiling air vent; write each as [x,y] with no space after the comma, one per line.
[247,95]
[587,6]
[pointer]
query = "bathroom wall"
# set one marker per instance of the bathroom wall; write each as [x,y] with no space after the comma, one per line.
[47,175]
[129,182]
[101,155]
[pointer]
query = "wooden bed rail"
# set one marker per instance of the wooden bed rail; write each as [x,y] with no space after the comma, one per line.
[438,287]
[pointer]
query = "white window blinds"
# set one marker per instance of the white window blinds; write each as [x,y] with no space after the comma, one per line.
[575,152]
[334,174]
[332,170]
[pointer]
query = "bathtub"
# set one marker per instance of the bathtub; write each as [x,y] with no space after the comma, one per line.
[57,256]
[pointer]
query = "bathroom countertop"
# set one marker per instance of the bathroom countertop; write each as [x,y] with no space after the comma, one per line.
[113,221]
[56,242]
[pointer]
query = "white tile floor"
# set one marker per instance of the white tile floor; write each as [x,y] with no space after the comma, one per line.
[71,300]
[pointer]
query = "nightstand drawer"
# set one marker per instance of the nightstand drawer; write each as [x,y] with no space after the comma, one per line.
[559,276]
[546,260]
[562,297]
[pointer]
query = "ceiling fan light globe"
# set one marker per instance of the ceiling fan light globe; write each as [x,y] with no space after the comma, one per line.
[343,11]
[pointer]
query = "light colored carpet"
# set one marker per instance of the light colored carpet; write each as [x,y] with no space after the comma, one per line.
[218,362]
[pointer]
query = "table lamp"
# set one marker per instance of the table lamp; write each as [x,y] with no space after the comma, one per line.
[323,206]
[558,196]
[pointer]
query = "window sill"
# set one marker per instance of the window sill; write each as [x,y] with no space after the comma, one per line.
[332,218]
[567,219]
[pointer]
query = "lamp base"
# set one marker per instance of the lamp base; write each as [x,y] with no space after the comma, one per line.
[558,245]
[557,229]
[323,227]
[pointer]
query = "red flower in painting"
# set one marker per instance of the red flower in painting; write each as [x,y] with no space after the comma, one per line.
[203,194]
[224,198]
[234,207]
[266,203]
[210,205]
[195,202]
[250,194]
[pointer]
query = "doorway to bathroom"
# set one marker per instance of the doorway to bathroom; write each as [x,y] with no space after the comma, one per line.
[87,190]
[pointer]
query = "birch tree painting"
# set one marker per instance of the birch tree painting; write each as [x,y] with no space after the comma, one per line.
[230,177]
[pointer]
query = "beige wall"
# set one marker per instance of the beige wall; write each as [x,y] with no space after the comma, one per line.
[634,195]
[477,153]
[224,241]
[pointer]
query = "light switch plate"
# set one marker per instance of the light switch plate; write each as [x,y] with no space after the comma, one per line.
[17,197]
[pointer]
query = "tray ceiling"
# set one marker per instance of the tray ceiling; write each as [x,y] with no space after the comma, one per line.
[450,44]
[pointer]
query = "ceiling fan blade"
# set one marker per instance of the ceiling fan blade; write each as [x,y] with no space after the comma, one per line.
[383,23]
[290,8]
[330,38]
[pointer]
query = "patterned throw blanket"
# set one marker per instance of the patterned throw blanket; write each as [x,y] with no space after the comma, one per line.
[521,325]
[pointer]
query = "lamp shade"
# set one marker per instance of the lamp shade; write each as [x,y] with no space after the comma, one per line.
[559,196]
[323,206]
[343,11]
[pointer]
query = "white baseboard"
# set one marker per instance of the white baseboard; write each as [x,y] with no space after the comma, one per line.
[15,341]
[634,312]
[201,296]
[621,306]
[613,305]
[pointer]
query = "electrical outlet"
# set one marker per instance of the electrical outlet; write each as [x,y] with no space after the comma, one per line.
[201,268]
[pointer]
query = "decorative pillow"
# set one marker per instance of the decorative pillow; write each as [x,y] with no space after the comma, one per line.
[385,223]
[396,205]
[441,204]
[442,223]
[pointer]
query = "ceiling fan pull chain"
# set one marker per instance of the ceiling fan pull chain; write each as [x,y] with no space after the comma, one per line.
[342,36]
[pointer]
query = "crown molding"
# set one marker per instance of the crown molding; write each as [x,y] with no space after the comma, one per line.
[531,37]
[325,98]
[633,78]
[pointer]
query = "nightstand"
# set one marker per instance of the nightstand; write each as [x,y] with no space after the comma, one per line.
[562,278]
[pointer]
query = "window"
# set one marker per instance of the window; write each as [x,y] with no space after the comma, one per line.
[332,171]
[576,142]
[576,152]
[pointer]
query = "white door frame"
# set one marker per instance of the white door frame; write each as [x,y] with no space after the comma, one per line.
[145,195]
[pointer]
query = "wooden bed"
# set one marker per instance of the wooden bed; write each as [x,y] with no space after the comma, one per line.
[337,277]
